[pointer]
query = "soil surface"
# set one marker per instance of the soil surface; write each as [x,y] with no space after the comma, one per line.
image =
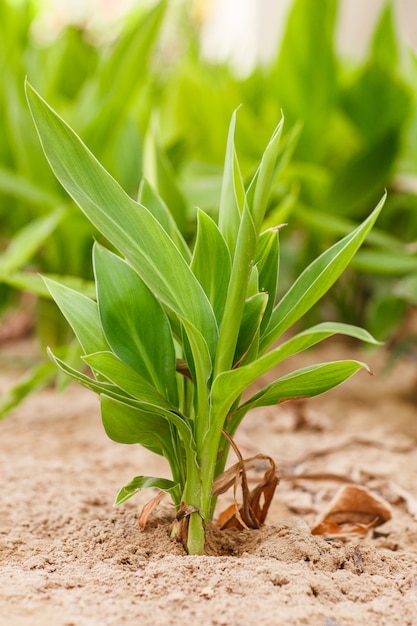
[69,558]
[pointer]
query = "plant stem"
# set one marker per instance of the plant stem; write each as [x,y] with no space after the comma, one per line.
[196,534]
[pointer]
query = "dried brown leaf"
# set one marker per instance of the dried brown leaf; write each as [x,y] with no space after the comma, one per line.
[353,510]
[149,508]
[254,509]
[333,529]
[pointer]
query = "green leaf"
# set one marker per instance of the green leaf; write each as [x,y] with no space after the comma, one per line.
[305,383]
[385,262]
[236,295]
[127,379]
[152,200]
[134,323]
[316,280]
[232,192]
[147,403]
[267,262]
[249,327]
[28,240]
[384,42]
[158,170]
[304,77]
[132,229]
[129,425]
[81,314]
[149,482]
[260,187]
[229,385]
[211,263]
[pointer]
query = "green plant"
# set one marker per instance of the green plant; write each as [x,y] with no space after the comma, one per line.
[342,157]
[108,91]
[176,335]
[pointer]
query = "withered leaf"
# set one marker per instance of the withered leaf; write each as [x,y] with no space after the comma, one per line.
[254,509]
[353,510]
[148,509]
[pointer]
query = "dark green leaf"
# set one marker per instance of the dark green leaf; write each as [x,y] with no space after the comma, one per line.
[134,323]
[126,424]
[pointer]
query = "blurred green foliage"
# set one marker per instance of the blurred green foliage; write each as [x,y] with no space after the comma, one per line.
[148,104]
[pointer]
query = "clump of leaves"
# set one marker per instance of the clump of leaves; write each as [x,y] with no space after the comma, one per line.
[176,335]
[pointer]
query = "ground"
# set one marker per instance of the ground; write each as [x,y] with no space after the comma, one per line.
[69,558]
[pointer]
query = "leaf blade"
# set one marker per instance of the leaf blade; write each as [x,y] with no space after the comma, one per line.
[131,228]
[316,280]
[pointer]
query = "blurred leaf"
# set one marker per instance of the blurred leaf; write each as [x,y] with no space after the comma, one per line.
[28,240]
[17,186]
[380,262]
[304,77]
[362,179]
[34,283]
[159,172]
[112,89]
[384,42]
[36,378]
[384,315]
[407,288]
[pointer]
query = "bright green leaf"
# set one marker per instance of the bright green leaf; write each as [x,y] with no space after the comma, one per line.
[211,263]
[306,382]
[229,385]
[149,482]
[251,320]
[132,229]
[316,280]
[81,314]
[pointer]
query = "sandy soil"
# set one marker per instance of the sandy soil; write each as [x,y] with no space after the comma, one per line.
[69,558]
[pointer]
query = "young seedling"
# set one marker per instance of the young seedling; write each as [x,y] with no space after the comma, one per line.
[176,335]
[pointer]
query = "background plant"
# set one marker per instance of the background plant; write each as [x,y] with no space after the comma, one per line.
[351,125]
[175,335]
[337,158]
[107,91]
